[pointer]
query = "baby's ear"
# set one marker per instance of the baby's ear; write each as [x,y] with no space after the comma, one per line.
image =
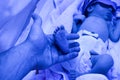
[90,8]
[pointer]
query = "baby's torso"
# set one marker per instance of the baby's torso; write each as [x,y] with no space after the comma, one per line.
[96,25]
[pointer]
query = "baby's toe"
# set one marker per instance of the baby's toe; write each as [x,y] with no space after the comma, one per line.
[62,27]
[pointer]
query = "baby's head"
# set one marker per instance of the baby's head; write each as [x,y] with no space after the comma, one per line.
[101,8]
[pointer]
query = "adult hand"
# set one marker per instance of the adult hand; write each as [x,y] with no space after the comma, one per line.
[46,54]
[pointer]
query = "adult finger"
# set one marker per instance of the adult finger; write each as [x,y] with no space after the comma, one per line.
[36,27]
[67,56]
[74,49]
[36,34]
[73,44]
[72,36]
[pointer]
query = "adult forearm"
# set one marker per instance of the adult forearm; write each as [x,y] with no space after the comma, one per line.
[16,62]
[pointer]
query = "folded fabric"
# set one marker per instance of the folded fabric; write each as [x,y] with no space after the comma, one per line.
[92,77]
[114,52]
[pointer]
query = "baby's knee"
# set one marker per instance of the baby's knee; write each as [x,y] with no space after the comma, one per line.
[107,60]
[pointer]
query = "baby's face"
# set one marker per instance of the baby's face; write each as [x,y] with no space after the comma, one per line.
[104,11]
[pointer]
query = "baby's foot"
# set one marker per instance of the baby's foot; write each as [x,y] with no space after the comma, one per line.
[60,36]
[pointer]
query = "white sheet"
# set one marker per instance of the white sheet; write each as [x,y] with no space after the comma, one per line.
[115,53]
[92,77]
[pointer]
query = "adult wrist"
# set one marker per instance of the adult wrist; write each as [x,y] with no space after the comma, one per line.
[30,54]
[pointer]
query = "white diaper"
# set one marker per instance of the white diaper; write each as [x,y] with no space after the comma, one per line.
[88,41]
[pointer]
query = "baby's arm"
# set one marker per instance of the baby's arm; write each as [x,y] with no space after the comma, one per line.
[114,31]
[77,21]
[12,29]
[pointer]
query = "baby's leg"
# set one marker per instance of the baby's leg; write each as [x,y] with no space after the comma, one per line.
[101,63]
[61,39]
